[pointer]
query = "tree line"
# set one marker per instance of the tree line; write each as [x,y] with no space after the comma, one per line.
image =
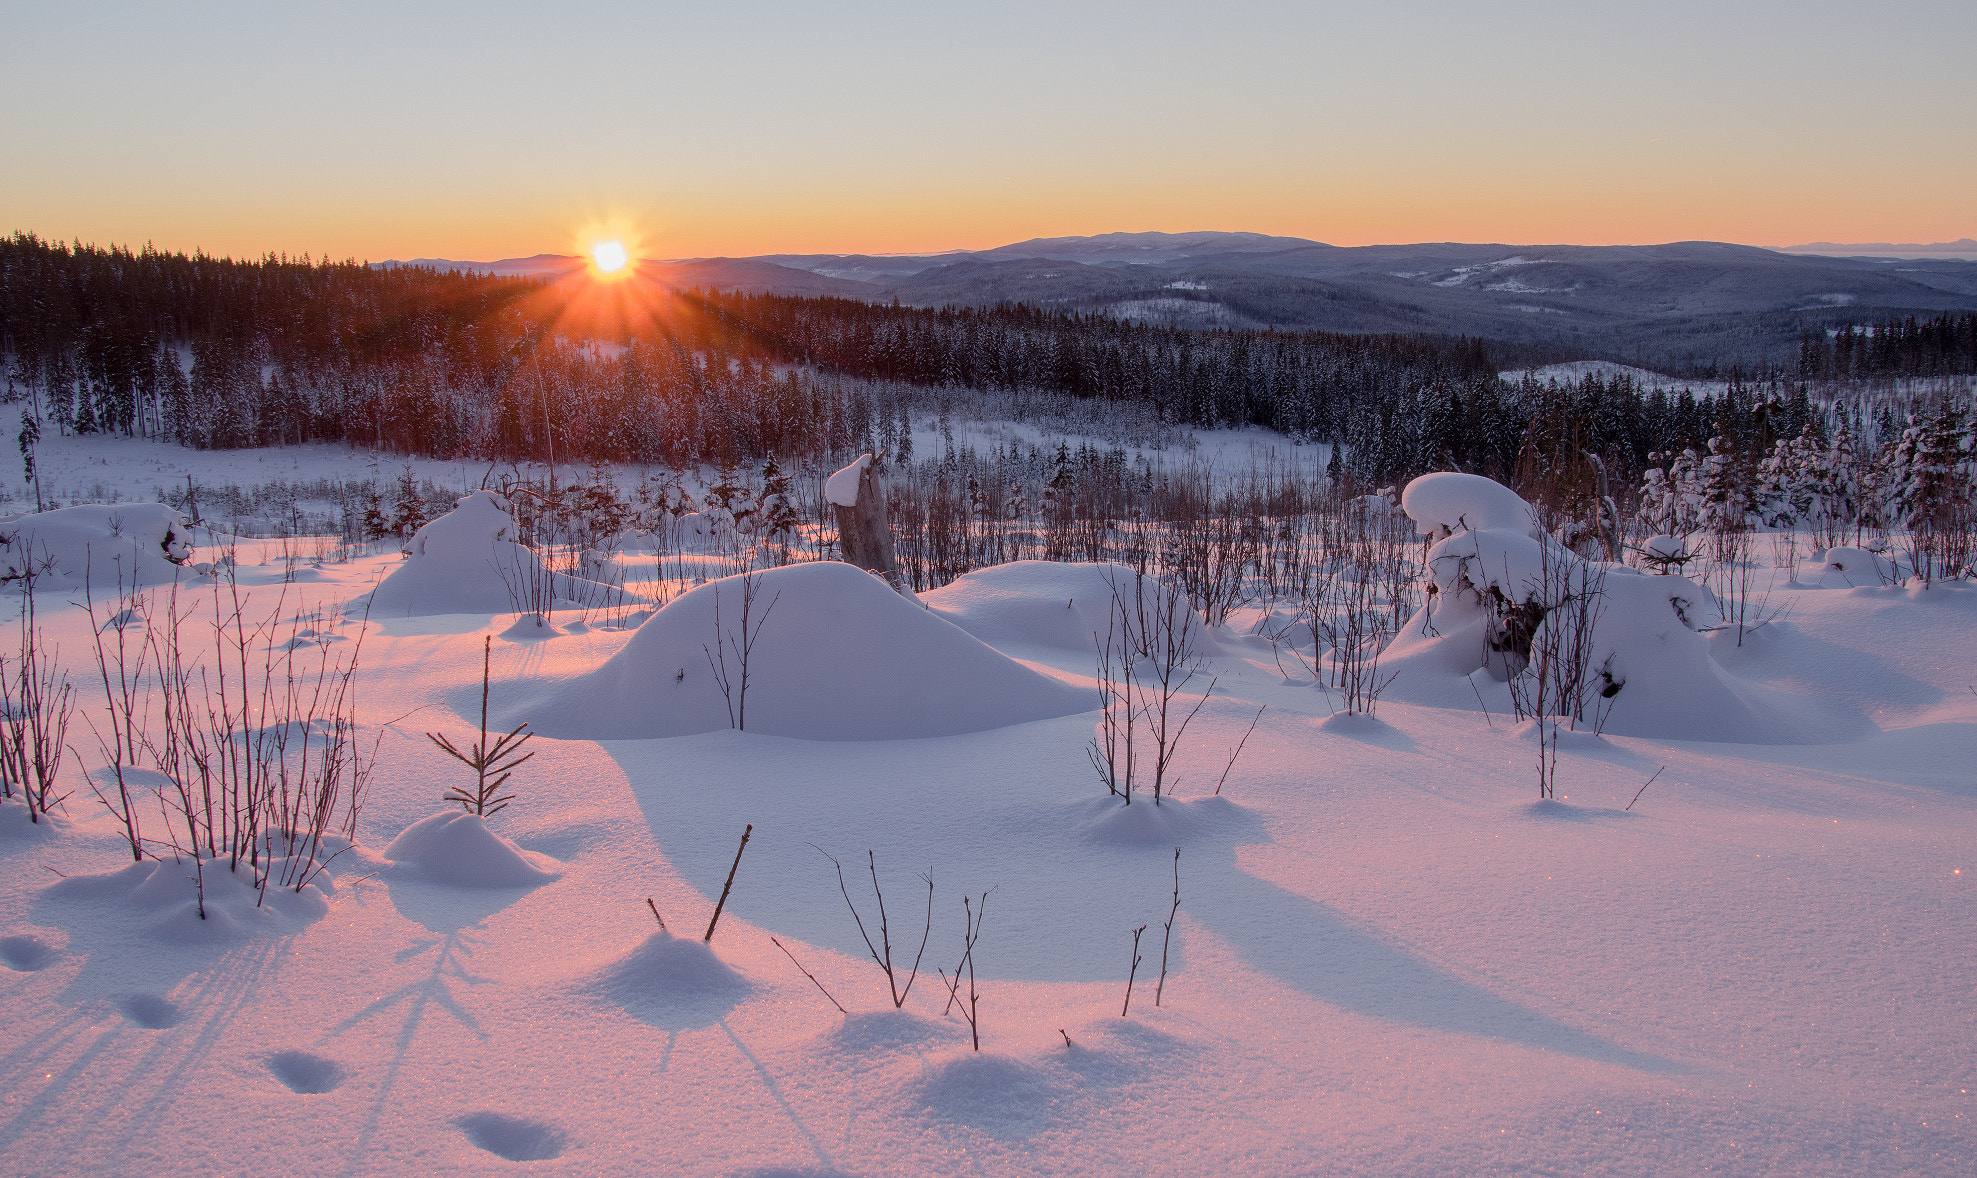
[217,353]
[1908,347]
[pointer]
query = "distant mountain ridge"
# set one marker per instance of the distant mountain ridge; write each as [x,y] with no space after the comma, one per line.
[1680,306]
[1963,248]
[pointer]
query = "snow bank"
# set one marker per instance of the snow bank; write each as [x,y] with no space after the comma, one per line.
[467,562]
[1449,501]
[135,543]
[837,655]
[842,487]
[455,847]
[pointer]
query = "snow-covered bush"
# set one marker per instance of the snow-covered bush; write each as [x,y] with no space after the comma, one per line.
[469,561]
[115,545]
[1623,650]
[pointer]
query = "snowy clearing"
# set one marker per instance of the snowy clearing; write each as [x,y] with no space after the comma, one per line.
[1388,954]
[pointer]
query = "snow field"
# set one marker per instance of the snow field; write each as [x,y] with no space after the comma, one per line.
[1388,956]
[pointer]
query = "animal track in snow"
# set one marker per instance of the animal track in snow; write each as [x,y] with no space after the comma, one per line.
[26,953]
[305,1073]
[514,1138]
[150,1011]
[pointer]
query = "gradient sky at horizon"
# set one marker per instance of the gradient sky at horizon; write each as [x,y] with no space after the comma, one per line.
[497,129]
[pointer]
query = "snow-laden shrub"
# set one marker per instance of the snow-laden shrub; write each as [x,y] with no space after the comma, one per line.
[469,561]
[107,544]
[1627,651]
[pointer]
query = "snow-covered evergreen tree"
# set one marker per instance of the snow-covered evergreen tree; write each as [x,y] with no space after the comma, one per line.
[778,514]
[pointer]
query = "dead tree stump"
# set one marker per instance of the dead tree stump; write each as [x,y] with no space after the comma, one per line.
[864,535]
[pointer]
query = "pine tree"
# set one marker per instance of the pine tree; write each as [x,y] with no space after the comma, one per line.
[408,513]
[905,447]
[779,516]
[1724,495]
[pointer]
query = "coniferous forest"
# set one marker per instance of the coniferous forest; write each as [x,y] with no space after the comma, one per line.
[218,353]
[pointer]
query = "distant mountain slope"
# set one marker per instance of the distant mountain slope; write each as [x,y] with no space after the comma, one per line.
[1963,248]
[1670,306]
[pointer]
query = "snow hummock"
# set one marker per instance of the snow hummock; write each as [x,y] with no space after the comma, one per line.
[455,847]
[109,543]
[671,981]
[467,561]
[837,656]
[1040,605]
[1449,501]
[171,894]
[842,488]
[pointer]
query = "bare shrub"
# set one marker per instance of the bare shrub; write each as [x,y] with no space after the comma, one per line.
[1146,661]
[882,951]
[36,703]
[732,677]
[970,1004]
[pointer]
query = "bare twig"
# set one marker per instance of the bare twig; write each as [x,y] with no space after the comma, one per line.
[1643,789]
[729,886]
[1167,938]
[1132,972]
[655,914]
[1236,752]
[806,973]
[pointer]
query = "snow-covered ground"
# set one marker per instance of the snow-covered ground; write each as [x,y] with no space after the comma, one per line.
[1388,957]
[1574,371]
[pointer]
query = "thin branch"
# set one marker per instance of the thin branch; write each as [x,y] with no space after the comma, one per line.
[806,973]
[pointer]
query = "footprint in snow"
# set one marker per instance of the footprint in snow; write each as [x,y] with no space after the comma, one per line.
[305,1073]
[26,953]
[515,1138]
[150,1011]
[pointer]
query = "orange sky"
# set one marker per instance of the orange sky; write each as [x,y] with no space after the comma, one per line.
[496,130]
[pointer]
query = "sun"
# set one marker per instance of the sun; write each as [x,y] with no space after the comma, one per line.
[609,256]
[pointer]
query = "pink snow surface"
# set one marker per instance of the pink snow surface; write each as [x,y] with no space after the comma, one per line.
[1387,958]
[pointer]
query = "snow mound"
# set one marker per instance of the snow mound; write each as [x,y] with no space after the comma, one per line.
[1853,567]
[169,896]
[1040,604]
[455,847]
[529,628]
[837,655]
[467,562]
[1109,821]
[1449,501]
[672,982]
[1000,1095]
[16,824]
[104,543]
[881,1031]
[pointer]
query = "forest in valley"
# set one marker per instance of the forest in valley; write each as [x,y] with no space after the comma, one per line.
[218,353]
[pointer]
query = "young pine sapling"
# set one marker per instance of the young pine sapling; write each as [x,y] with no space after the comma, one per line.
[498,760]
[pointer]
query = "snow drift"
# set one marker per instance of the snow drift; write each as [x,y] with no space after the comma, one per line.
[837,655]
[107,543]
[467,562]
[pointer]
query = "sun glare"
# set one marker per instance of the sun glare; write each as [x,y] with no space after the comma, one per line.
[609,256]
